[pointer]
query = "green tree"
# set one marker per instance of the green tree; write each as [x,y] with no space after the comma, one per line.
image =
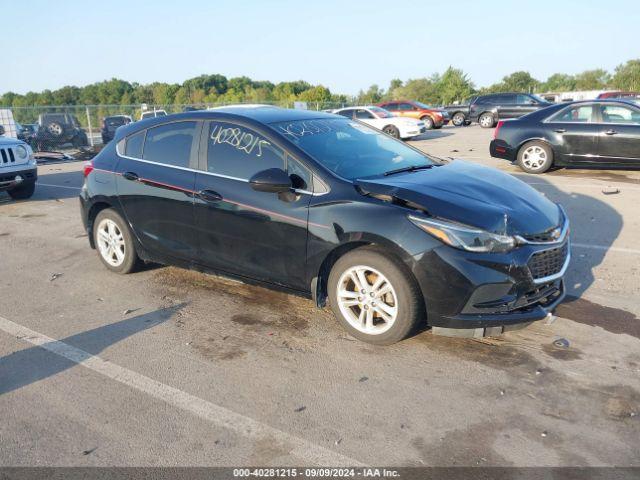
[373,95]
[558,82]
[592,79]
[453,85]
[519,82]
[627,76]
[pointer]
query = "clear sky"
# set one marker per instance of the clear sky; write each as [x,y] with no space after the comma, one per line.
[342,44]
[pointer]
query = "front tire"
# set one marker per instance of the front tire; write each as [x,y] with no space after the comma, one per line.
[374,296]
[114,242]
[458,119]
[486,120]
[23,192]
[535,157]
[392,130]
[428,122]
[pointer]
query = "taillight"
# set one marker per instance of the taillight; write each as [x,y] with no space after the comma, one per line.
[88,168]
[495,132]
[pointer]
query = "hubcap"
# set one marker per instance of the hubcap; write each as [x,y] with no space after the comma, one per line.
[458,119]
[367,300]
[110,242]
[534,157]
[485,121]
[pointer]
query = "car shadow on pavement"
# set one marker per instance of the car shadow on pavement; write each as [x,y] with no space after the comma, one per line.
[596,225]
[30,365]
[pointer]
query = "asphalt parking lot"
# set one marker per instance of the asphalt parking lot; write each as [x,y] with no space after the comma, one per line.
[171,367]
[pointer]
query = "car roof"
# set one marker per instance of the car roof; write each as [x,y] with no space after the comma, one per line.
[258,115]
[357,106]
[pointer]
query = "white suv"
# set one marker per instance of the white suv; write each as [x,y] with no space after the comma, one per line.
[18,169]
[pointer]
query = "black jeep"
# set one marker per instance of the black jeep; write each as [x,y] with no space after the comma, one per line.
[56,130]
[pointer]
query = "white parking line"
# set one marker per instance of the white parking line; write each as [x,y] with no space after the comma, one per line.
[58,186]
[604,247]
[215,414]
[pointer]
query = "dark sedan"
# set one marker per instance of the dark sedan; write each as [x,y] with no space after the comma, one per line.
[587,133]
[327,207]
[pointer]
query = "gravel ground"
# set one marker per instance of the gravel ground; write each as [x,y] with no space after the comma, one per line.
[171,367]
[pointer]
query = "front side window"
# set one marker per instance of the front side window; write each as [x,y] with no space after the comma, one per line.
[575,114]
[134,145]
[170,144]
[619,114]
[362,114]
[350,149]
[240,152]
[405,107]
[525,100]
[381,112]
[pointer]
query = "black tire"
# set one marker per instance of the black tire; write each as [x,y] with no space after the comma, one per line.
[131,261]
[467,123]
[428,122]
[458,119]
[23,191]
[410,304]
[530,147]
[486,120]
[392,130]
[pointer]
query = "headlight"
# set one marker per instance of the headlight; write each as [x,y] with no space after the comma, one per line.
[465,237]
[21,152]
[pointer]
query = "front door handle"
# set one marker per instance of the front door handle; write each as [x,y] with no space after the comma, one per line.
[560,130]
[209,196]
[610,132]
[131,176]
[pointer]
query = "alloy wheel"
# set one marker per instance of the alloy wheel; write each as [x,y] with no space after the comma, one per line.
[486,121]
[367,300]
[534,157]
[111,242]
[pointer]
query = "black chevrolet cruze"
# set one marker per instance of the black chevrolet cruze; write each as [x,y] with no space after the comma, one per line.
[326,207]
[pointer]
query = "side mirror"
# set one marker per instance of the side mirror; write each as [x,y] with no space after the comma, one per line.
[1,130]
[272,180]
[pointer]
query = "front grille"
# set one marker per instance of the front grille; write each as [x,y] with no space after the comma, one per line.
[6,156]
[548,262]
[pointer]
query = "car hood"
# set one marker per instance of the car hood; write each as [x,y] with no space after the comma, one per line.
[5,141]
[470,194]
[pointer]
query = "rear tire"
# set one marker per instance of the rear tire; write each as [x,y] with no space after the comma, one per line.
[486,120]
[23,192]
[392,130]
[535,157]
[428,122]
[386,312]
[114,242]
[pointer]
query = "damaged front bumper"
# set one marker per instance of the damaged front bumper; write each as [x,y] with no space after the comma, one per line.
[466,290]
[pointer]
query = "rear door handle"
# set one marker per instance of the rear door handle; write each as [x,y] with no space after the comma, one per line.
[560,130]
[131,176]
[209,196]
[610,132]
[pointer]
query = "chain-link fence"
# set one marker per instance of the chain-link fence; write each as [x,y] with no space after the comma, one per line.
[69,127]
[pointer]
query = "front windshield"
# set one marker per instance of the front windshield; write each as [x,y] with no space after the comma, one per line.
[381,112]
[350,149]
[423,105]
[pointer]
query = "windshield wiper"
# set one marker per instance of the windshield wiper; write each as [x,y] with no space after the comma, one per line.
[411,168]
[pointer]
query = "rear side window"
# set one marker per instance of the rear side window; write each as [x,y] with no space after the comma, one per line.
[346,113]
[390,106]
[170,144]
[576,114]
[134,145]
[240,152]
